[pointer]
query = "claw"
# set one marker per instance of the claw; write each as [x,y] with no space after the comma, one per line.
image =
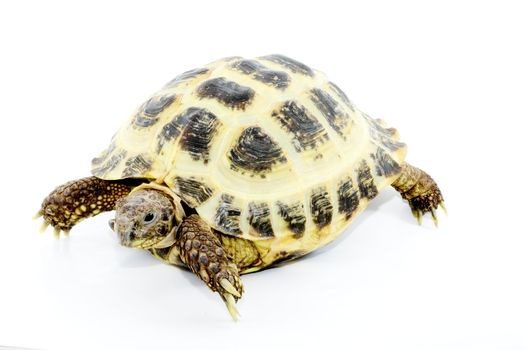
[44,226]
[417,215]
[38,215]
[229,287]
[56,232]
[442,205]
[230,304]
[434,217]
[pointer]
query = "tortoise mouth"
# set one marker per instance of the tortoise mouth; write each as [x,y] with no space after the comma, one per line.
[154,242]
[143,243]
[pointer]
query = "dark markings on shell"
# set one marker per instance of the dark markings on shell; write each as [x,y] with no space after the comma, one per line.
[285,256]
[104,155]
[227,216]
[383,136]
[148,113]
[198,134]
[110,164]
[255,152]
[227,92]
[290,63]
[294,216]
[330,109]
[342,95]
[188,75]
[348,198]
[385,165]
[192,191]
[136,166]
[306,129]
[174,128]
[259,219]
[260,72]
[321,207]
[367,187]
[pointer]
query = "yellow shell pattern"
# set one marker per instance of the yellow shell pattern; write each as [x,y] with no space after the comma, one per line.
[264,149]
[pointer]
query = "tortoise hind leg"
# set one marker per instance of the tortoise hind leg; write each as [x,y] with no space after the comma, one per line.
[202,251]
[421,191]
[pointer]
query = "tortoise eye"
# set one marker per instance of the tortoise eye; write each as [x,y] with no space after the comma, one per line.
[149,218]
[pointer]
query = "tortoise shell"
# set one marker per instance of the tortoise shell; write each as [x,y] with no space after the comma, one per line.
[265,149]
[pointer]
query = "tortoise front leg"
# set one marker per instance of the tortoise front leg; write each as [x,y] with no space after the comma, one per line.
[202,251]
[76,200]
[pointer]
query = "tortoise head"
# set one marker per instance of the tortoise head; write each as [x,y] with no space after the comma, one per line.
[145,219]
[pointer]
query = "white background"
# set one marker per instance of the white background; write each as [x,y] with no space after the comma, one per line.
[449,75]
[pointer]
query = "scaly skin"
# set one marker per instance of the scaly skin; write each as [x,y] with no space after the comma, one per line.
[202,252]
[421,191]
[76,200]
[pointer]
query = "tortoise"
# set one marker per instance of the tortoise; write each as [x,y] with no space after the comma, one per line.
[241,165]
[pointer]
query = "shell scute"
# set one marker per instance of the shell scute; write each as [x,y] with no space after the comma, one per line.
[255,152]
[148,113]
[260,72]
[227,92]
[188,75]
[297,120]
